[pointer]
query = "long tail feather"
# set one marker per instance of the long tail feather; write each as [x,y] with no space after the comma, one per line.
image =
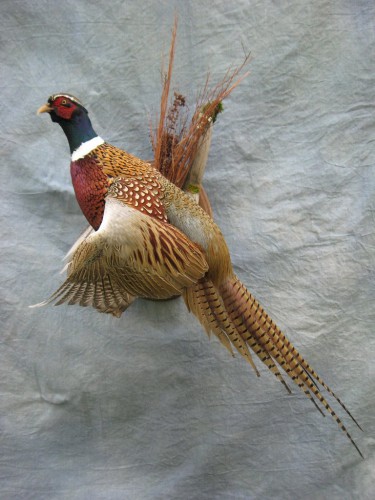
[255,316]
[237,319]
[254,323]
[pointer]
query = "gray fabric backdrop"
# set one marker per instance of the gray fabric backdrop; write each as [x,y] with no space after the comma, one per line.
[146,407]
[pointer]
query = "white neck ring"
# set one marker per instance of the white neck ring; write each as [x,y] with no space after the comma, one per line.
[86,147]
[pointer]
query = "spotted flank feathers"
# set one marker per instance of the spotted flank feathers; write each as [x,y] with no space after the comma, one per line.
[135,194]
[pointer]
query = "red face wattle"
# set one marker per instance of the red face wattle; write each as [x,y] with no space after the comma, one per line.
[63,107]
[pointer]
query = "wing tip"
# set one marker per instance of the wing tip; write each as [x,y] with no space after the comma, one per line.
[40,304]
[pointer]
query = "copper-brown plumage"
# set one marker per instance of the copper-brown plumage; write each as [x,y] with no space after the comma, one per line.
[152,240]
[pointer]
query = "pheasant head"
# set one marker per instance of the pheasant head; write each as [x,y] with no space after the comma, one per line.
[72,116]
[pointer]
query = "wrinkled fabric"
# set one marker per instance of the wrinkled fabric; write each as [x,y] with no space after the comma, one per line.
[145,406]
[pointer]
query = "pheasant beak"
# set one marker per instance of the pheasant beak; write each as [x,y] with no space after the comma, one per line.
[46,108]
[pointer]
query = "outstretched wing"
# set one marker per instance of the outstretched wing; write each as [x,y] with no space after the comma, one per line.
[133,253]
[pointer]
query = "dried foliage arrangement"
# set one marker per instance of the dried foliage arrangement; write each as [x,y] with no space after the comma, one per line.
[181,147]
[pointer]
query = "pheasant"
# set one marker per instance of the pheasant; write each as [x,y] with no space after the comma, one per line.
[150,239]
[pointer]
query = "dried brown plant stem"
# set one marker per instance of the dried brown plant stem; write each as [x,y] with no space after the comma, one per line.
[181,149]
[157,141]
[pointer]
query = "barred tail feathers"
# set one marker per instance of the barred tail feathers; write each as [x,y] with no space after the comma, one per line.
[253,322]
[206,304]
[238,320]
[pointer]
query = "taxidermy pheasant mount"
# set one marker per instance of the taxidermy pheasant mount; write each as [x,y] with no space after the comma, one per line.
[148,238]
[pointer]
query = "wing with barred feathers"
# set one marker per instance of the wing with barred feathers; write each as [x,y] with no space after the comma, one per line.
[135,252]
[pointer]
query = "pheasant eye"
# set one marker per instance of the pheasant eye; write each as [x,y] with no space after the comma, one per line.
[64,101]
